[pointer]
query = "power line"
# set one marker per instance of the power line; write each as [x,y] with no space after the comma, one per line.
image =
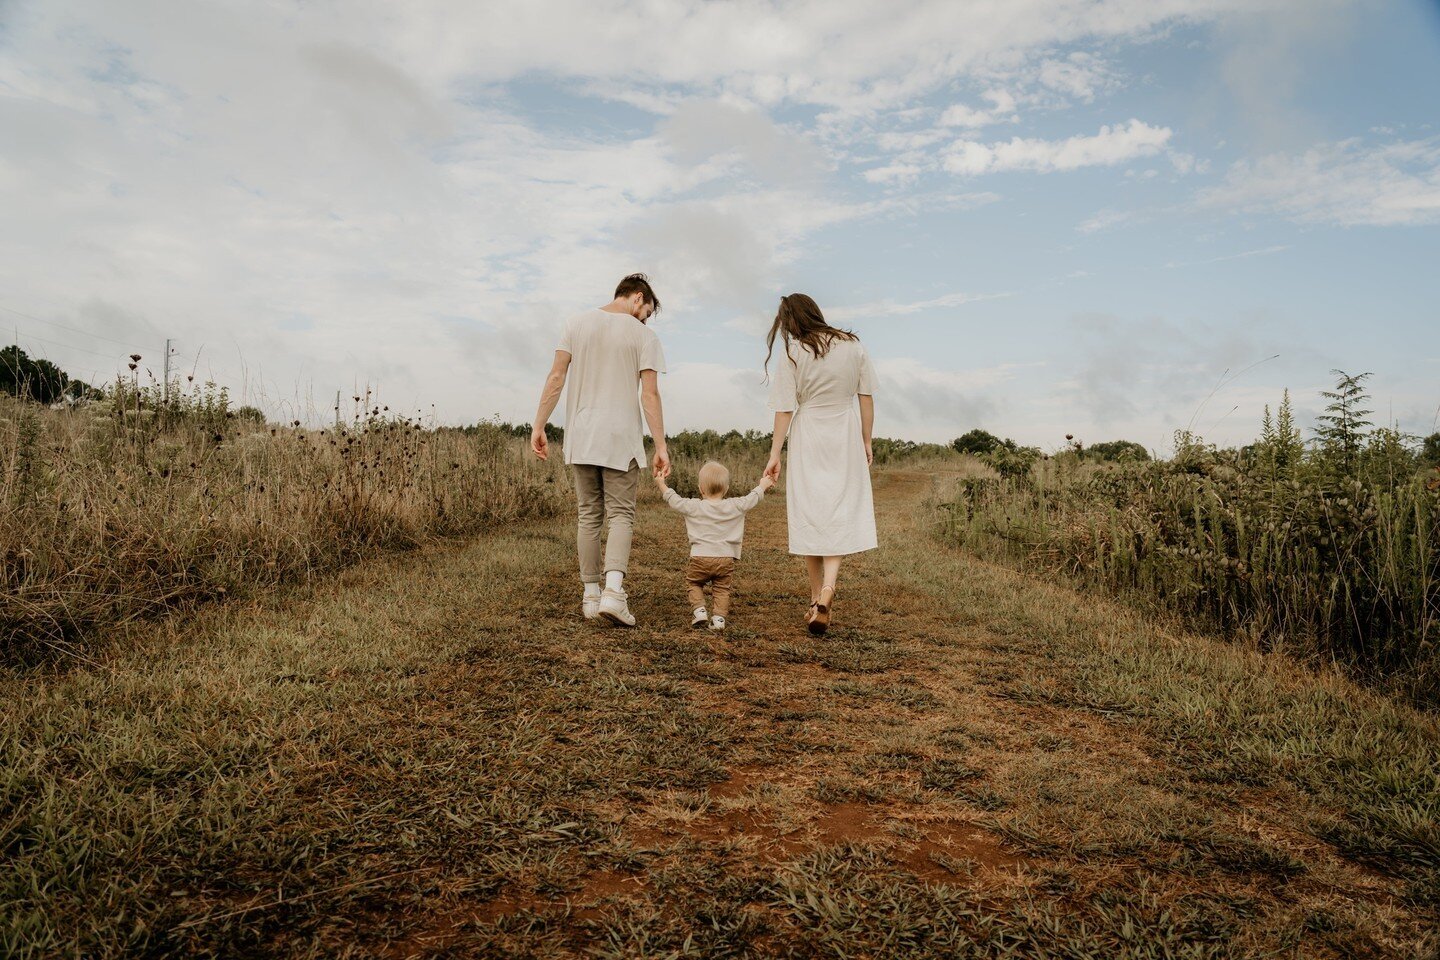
[67,346]
[55,323]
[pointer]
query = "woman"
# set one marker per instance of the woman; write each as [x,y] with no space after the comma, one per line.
[828,502]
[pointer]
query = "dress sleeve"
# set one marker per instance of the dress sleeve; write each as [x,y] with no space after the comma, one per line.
[782,383]
[867,374]
[652,357]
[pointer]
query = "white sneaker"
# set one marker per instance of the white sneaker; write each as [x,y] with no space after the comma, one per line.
[615,607]
[699,619]
[717,624]
[590,606]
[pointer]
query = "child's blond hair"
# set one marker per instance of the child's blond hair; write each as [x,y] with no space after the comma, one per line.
[714,479]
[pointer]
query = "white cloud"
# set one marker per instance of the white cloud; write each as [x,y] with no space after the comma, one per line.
[1126,371]
[901,173]
[892,309]
[1080,75]
[1110,146]
[1106,219]
[703,129]
[326,194]
[1348,183]
[1002,108]
[692,392]
[923,402]
[1260,252]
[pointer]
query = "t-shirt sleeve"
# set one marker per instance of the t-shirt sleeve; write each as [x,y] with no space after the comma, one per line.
[652,357]
[782,383]
[565,338]
[867,374]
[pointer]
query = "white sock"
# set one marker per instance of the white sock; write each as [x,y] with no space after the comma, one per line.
[614,579]
[592,589]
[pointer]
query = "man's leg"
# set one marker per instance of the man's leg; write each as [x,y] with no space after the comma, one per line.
[590,503]
[620,489]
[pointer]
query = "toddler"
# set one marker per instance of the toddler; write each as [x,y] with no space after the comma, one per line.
[715,525]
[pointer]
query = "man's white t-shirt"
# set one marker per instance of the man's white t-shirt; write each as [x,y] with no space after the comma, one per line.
[603,424]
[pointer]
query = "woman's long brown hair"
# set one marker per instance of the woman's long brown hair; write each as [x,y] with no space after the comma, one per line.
[799,319]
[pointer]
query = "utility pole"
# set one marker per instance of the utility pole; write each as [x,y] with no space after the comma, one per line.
[167,373]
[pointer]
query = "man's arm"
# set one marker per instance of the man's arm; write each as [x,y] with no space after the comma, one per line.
[549,396]
[655,417]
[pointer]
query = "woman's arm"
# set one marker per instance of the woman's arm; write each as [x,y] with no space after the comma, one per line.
[782,427]
[867,424]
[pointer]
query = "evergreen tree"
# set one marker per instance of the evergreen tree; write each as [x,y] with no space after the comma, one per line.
[1343,425]
[1289,446]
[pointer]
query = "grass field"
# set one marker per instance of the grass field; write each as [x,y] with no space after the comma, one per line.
[432,754]
[134,507]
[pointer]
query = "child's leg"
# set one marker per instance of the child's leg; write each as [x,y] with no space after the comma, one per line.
[695,577]
[720,588]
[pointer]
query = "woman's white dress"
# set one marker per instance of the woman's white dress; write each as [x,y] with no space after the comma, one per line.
[828,502]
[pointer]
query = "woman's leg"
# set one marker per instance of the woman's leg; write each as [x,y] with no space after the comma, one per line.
[814,566]
[830,572]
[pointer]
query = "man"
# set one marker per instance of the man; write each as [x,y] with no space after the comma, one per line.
[610,351]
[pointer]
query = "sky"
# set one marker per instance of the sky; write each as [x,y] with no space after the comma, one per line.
[1105,218]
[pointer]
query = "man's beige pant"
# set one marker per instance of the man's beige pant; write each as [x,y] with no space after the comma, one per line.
[715,571]
[602,494]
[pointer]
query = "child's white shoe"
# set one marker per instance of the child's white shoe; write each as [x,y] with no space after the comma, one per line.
[717,624]
[590,606]
[699,618]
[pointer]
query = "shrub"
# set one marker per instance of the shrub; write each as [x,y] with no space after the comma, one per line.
[1335,550]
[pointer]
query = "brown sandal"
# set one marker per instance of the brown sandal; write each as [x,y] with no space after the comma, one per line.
[820,621]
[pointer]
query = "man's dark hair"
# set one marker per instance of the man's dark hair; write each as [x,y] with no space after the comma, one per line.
[638,282]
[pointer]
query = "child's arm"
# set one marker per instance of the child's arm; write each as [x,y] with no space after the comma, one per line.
[748,502]
[672,499]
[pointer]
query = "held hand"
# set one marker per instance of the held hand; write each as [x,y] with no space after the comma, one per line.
[539,443]
[659,481]
[767,482]
[772,469]
[662,464]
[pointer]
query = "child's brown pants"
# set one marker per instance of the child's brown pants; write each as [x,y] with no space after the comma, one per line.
[715,571]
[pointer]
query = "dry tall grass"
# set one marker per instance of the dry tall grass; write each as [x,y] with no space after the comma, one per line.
[131,507]
[1342,565]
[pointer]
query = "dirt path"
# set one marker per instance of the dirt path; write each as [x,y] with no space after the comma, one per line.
[437,756]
